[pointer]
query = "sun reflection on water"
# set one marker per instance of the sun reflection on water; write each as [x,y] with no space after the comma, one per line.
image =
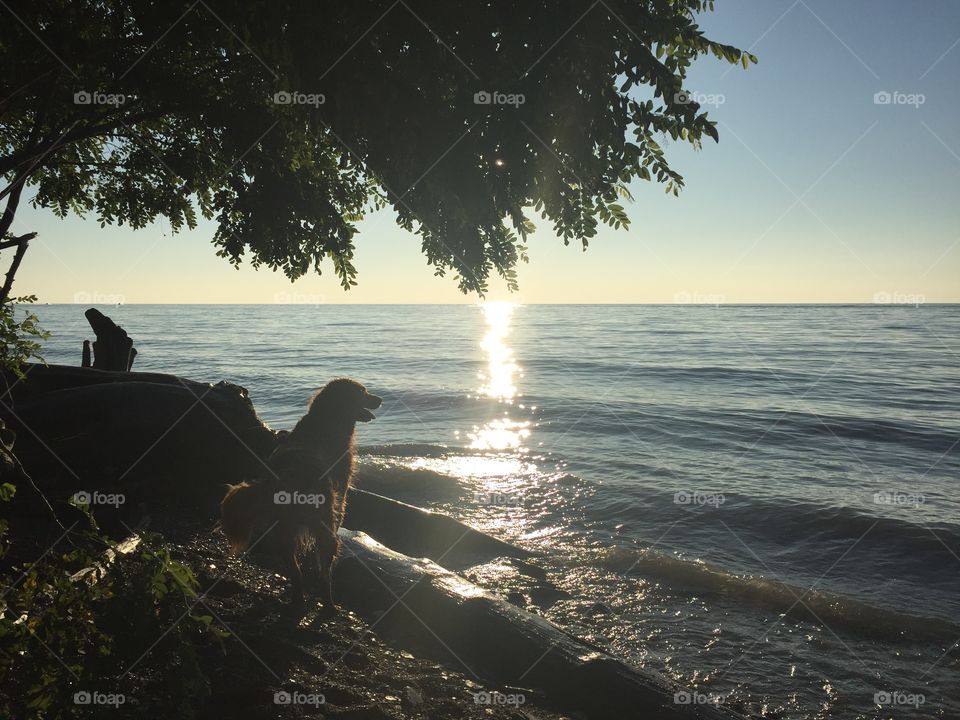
[501,367]
[501,433]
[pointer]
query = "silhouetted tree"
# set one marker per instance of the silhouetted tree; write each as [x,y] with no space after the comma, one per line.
[287,121]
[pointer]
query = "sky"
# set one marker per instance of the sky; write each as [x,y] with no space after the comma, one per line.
[816,193]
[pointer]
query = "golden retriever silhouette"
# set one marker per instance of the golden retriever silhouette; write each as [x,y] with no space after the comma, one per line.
[304,494]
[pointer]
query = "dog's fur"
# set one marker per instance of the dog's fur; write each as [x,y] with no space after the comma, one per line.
[316,458]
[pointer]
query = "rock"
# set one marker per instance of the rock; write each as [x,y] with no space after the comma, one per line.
[86,429]
[412,696]
[113,349]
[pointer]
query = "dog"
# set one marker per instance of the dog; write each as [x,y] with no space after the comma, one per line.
[304,494]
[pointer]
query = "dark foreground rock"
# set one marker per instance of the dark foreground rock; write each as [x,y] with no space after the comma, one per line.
[87,429]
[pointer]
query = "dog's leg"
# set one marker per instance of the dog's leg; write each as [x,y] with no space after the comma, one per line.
[327,546]
[326,557]
[291,550]
[311,571]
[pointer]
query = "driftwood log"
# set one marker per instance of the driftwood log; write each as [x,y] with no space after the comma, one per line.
[419,605]
[113,349]
[421,533]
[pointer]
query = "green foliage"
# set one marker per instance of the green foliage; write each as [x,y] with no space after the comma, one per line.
[200,132]
[19,338]
[60,635]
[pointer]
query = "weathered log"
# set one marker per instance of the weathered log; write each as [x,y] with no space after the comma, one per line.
[418,604]
[421,533]
[113,349]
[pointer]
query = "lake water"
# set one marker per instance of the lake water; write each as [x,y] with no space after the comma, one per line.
[759,501]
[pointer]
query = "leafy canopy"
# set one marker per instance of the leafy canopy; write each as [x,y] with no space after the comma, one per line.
[377,107]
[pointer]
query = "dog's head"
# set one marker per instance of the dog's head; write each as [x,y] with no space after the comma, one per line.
[345,399]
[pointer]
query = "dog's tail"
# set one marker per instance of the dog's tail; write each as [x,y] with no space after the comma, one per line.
[240,510]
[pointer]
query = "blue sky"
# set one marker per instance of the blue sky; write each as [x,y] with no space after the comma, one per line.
[814,193]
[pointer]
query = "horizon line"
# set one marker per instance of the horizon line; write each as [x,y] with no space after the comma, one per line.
[481,302]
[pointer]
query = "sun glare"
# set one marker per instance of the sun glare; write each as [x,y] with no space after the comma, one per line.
[501,367]
[501,433]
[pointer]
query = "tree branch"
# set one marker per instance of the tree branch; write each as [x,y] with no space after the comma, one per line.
[11,273]
[14,160]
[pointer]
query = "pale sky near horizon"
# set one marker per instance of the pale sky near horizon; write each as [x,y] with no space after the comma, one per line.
[815,193]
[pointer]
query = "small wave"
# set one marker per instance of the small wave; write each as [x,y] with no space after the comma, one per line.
[410,450]
[909,434]
[784,520]
[838,612]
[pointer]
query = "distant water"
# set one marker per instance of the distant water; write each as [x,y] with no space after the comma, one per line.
[759,501]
